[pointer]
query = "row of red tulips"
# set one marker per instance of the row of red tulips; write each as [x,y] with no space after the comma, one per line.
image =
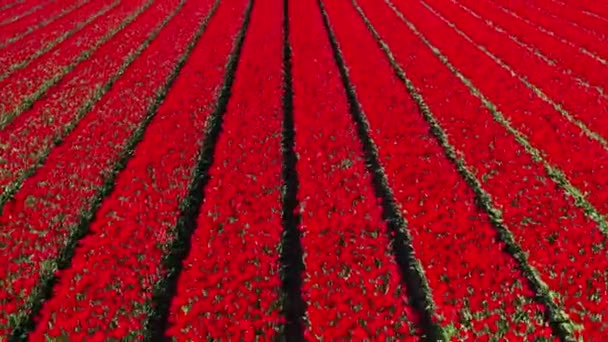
[229,286]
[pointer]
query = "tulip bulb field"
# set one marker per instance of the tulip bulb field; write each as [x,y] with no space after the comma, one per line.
[303,170]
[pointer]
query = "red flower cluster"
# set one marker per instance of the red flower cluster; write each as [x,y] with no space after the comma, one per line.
[16,90]
[478,290]
[30,137]
[351,284]
[230,283]
[135,223]
[16,56]
[556,49]
[44,215]
[542,219]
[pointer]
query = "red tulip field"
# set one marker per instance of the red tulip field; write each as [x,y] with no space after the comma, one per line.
[303,170]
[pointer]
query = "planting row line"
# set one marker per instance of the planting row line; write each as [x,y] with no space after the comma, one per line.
[556,15]
[44,221]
